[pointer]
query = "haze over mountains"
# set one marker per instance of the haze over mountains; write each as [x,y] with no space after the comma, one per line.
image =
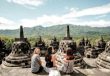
[58,30]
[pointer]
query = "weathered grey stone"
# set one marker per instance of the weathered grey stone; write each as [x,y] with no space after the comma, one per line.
[3,51]
[18,71]
[41,44]
[67,41]
[103,60]
[93,52]
[20,54]
[54,43]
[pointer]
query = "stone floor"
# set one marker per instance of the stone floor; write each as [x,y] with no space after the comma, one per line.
[17,71]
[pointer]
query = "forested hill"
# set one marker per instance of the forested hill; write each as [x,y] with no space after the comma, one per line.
[58,30]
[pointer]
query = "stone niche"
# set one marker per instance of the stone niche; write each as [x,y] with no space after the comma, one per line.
[20,54]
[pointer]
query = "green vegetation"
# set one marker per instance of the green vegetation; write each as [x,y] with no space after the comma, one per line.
[59,31]
[8,41]
[47,33]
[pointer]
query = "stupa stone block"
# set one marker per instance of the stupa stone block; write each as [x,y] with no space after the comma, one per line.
[19,56]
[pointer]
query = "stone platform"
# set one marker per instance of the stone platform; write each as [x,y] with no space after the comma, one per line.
[90,71]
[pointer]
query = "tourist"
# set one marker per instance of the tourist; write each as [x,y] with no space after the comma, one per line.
[53,55]
[68,61]
[35,61]
[48,58]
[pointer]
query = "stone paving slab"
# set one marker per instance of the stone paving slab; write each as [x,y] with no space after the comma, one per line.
[27,72]
[90,61]
[18,71]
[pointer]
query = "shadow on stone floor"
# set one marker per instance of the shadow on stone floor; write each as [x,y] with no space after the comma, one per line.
[84,65]
[63,74]
[42,73]
[78,73]
[75,73]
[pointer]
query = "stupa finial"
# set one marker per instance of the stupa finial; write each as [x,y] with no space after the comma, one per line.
[21,32]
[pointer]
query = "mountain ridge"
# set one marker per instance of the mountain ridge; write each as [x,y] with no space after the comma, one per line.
[58,30]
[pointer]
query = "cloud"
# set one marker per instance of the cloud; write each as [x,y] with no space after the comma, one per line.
[99,10]
[7,24]
[5,21]
[55,20]
[31,3]
[46,20]
[49,21]
[74,16]
[101,16]
[94,23]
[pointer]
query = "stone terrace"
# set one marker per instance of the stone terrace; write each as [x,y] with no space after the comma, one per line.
[18,71]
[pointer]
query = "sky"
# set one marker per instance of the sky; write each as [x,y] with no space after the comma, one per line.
[30,13]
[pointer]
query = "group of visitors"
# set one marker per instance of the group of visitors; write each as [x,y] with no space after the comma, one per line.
[51,61]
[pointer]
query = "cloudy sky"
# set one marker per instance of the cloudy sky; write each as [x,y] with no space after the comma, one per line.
[29,13]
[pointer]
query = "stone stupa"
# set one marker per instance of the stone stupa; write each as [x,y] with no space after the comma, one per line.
[3,51]
[81,46]
[101,44]
[67,41]
[19,56]
[82,42]
[103,60]
[54,43]
[41,44]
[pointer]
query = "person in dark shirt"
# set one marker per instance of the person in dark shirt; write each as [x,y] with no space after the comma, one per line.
[48,58]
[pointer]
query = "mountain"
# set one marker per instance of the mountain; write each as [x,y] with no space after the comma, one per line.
[58,30]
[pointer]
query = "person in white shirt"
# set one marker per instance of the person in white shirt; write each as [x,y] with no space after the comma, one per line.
[68,62]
